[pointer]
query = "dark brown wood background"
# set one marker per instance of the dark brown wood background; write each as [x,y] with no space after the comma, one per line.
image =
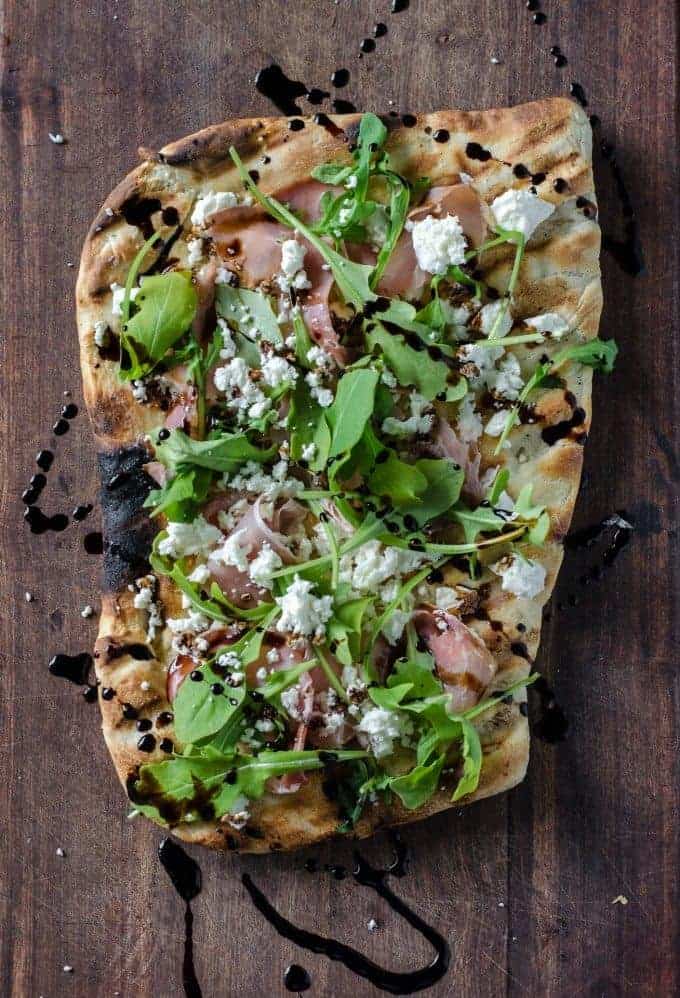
[521,885]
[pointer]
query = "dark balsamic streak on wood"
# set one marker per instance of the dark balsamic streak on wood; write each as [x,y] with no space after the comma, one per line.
[185,874]
[396,983]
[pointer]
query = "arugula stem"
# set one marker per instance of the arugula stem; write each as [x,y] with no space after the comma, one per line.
[330,675]
[390,541]
[508,341]
[520,241]
[404,590]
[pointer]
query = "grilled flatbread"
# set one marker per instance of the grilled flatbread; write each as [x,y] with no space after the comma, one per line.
[339,373]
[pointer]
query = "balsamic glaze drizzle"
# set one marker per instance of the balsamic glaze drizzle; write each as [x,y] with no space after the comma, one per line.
[185,874]
[396,983]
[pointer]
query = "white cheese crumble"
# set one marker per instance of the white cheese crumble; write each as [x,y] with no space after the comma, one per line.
[228,346]
[235,551]
[438,243]
[318,357]
[211,203]
[292,273]
[521,576]
[138,389]
[393,628]
[379,729]
[243,394]
[324,396]
[489,315]
[200,574]
[469,425]
[277,371]
[251,478]
[56,138]
[118,292]
[194,252]
[520,211]
[371,565]
[263,566]
[446,598]
[302,612]
[377,227]
[550,322]
[101,333]
[184,539]
[496,425]
[193,623]
[420,421]
[308,452]
[223,276]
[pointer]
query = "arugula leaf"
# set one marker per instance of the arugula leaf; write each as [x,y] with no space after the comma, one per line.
[281,679]
[402,483]
[417,669]
[221,452]
[307,424]
[483,519]
[413,367]
[199,362]
[443,485]
[200,713]
[345,627]
[250,311]
[165,307]
[472,761]
[351,409]
[596,353]
[415,788]
[181,497]
[400,197]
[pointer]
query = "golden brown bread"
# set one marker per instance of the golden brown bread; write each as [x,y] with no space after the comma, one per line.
[560,271]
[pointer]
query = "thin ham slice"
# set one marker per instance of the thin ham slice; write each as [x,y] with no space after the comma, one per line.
[462,661]
[157,471]
[179,669]
[445,443]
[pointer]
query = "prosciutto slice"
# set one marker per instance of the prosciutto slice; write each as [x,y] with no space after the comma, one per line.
[463,662]
[466,455]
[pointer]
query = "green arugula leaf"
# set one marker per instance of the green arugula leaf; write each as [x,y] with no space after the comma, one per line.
[249,311]
[221,452]
[200,713]
[181,497]
[415,788]
[483,519]
[413,367]
[351,409]
[472,761]
[401,483]
[443,485]
[165,307]
[307,425]
[417,669]
[596,353]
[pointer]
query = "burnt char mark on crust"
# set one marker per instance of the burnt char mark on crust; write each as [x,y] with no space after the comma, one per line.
[212,145]
[128,530]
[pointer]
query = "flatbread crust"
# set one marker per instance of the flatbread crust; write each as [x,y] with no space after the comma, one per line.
[559,271]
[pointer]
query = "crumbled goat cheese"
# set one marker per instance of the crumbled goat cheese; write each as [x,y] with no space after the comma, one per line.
[101,333]
[272,656]
[301,611]
[277,371]
[446,598]
[469,424]
[228,346]
[194,252]
[235,550]
[263,566]
[379,729]
[324,396]
[57,138]
[223,276]
[238,819]
[371,925]
[496,425]
[308,452]
[372,564]
[138,389]
[502,378]
[87,611]
[488,317]
[264,726]
[352,182]
[243,394]
[229,660]
[118,293]
[200,574]
[211,203]
[393,628]
[184,539]
[292,266]
[520,211]
[550,322]
[438,243]
[418,422]
[318,357]
[251,478]
[521,576]
[507,381]
[193,623]
[291,700]
[483,359]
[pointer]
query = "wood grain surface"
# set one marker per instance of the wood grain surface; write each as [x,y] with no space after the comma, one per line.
[522,885]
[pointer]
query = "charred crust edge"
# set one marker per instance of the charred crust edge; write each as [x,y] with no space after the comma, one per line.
[128,530]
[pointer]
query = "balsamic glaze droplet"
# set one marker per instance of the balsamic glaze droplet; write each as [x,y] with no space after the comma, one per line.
[170,215]
[379,29]
[343,106]
[560,185]
[60,427]
[93,542]
[70,411]
[577,91]
[367,45]
[147,743]
[296,124]
[473,150]
[296,978]
[552,725]
[325,122]
[409,120]
[75,668]
[316,96]
[44,459]
[520,171]
[441,135]
[39,523]
[81,513]
[273,83]
[539,18]
[399,5]
[340,78]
